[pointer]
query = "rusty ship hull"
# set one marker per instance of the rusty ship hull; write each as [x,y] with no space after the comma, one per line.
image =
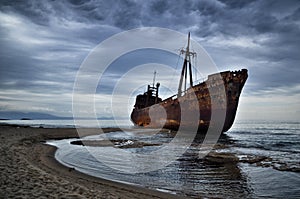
[230,82]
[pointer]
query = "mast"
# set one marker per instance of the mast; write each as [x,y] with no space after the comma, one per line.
[186,66]
[154,75]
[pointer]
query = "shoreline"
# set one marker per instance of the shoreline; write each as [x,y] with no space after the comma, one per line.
[30,169]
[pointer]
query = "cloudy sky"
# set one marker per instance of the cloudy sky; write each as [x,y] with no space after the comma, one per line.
[43,44]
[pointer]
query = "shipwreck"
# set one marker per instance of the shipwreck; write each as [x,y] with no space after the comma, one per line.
[218,95]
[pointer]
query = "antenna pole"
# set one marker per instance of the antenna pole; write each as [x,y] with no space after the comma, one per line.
[154,76]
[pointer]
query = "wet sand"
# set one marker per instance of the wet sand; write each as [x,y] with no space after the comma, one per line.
[29,170]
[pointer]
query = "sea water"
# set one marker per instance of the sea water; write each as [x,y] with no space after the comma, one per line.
[279,176]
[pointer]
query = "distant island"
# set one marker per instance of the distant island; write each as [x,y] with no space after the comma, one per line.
[24,118]
[18,115]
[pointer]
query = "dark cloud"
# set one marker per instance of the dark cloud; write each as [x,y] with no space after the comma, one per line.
[237,4]
[44,42]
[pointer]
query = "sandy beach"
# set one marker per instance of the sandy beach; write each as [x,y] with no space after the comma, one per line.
[29,169]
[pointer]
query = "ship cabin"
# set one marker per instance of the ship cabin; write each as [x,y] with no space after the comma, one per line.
[149,98]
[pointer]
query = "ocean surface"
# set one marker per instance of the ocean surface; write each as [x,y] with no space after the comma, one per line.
[268,166]
[69,123]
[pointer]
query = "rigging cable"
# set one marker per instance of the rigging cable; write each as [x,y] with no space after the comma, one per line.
[173,75]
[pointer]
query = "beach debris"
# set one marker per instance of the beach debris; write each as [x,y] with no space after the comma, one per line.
[222,157]
[71,169]
[251,159]
[118,143]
